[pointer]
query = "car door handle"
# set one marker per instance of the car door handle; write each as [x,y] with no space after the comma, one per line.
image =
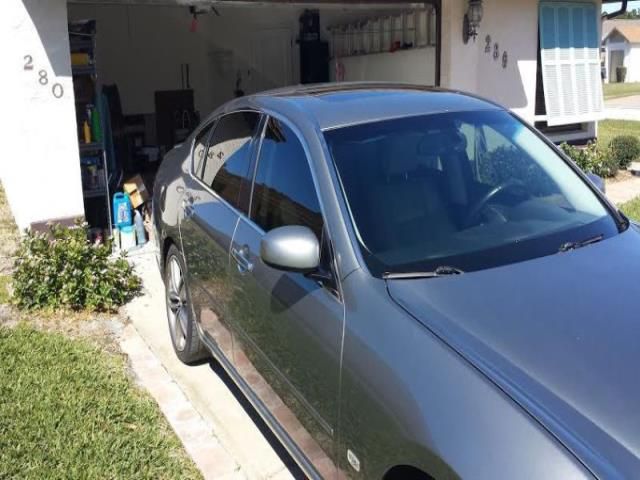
[241,257]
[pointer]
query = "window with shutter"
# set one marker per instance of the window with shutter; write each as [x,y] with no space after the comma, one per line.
[570,57]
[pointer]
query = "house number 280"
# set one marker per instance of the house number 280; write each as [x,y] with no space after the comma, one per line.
[57,90]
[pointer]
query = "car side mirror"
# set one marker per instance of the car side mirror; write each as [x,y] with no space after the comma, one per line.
[597,181]
[291,248]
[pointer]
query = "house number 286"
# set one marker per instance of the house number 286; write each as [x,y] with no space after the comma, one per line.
[57,90]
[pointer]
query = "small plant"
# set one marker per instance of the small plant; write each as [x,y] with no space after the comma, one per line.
[593,159]
[64,270]
[625,149]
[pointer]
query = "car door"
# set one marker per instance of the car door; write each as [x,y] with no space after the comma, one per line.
[217,193]
[288,326]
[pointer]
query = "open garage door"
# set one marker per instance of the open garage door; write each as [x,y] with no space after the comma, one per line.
[163,65]
[243,47]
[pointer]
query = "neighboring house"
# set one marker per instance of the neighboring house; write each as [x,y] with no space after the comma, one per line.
[621,47]
[539,58]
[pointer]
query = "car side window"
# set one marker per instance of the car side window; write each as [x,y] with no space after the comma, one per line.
[284,193]
[229,154]
[200,149]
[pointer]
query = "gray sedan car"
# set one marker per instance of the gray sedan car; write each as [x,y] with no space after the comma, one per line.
[406,283]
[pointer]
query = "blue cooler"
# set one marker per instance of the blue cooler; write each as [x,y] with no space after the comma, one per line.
[122,210]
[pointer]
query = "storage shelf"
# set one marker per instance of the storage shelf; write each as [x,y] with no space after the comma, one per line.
[94,193]
[91,147]
[92,155]
[83,70]
[80,43]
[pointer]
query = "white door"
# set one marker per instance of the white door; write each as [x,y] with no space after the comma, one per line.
[271,59]
[616,59]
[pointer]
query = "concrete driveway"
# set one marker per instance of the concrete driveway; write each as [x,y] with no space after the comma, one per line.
[220,430]
[624,108]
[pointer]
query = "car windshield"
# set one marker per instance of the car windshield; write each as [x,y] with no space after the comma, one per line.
[462,190]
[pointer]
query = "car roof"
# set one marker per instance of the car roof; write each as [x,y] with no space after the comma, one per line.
[334,105]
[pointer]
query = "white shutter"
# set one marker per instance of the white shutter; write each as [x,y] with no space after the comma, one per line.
[570,54]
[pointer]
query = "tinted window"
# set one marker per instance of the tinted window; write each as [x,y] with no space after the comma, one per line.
[284,193]
[229,154]
[200,149]
[471,190]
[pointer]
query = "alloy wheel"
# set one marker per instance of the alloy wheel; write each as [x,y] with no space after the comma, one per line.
[177,305]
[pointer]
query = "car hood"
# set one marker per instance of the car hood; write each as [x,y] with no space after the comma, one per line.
[560,335]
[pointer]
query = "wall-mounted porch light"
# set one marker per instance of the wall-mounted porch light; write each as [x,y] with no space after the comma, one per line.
[472,19]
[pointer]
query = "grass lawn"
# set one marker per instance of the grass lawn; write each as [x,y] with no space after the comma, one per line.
[8,234]
[4,289]
[607,129]
[632,209]
[615,90]
[69,410]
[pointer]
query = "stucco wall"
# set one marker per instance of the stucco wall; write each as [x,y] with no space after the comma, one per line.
[513,24]
[40,167]
[632,62]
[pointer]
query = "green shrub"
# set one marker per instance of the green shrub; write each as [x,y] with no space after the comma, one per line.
[625,149]
[593,159]
[64,270]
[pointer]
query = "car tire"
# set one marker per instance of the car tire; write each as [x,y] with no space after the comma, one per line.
[182,327]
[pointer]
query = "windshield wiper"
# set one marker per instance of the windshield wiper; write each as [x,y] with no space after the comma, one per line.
[568,246]
[438,272]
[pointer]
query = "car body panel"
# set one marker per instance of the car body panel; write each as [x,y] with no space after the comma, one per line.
[287,344]
[206,236]
[570,357]
[408,397]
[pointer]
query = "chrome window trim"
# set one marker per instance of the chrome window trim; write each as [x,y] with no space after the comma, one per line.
[214,122]
[192,146]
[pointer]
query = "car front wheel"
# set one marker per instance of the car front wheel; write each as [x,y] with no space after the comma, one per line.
[184,336]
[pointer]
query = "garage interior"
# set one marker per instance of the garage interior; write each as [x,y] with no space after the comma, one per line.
[146,74]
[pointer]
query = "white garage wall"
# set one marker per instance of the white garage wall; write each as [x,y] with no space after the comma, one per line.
[410,66]
[40,167]
[141,48]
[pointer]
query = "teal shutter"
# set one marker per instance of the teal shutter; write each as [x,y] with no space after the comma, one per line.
[570,55]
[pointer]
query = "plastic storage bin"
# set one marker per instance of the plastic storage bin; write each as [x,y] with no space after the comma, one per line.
[122,210]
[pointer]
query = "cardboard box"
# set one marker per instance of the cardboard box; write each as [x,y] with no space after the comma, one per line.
[137,191]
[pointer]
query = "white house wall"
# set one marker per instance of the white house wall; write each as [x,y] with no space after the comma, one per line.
[40,167]
[513,25]
[632,62]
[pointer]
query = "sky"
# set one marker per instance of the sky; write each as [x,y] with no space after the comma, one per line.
[610,7]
